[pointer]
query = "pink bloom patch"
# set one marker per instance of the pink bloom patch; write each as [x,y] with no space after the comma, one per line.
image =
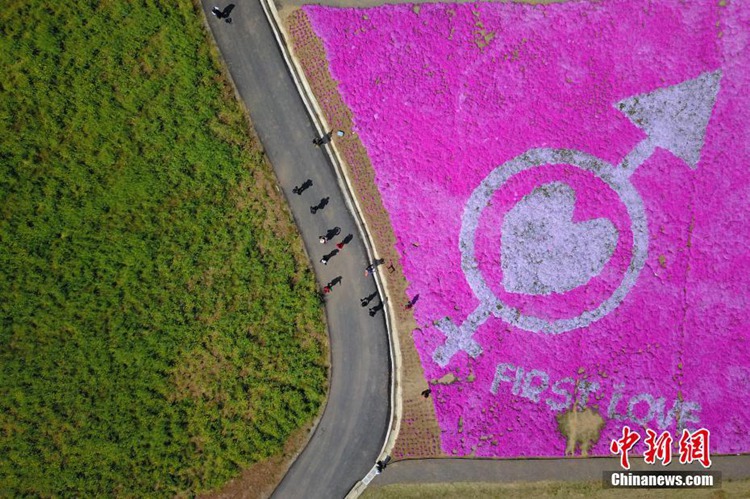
[569,187]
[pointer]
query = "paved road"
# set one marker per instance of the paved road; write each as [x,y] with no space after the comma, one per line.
[351,432]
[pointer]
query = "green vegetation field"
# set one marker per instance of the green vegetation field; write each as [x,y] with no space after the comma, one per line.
[160,326]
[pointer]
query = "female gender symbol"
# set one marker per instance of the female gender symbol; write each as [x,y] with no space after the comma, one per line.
[674,118]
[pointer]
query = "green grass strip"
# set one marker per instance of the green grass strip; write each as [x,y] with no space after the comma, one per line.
[159,324]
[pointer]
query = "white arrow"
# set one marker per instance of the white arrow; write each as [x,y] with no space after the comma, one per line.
[673,118]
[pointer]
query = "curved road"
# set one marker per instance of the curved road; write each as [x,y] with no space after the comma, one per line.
[350,434]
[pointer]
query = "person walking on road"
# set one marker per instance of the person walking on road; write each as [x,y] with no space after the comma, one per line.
[327,257]
[223,14]
[330,234]
[319,141]
[377,308]
[329,287]
[345,241]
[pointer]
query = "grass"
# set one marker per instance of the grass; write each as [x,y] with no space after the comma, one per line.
[157,333]
[546,490]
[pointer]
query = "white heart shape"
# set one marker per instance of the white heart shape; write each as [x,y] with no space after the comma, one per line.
[543,251]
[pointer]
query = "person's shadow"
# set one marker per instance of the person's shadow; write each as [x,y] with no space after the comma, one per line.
[377,308]
[319,141]
[302,188]
[331,254]
[323,203]
[227,12]
[333,233]
[367,299]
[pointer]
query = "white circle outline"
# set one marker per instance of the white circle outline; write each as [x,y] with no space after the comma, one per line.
[534,158]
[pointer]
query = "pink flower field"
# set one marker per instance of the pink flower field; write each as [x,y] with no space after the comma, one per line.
[569,186]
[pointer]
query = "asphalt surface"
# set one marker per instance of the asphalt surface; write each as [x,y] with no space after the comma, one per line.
[350,434]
